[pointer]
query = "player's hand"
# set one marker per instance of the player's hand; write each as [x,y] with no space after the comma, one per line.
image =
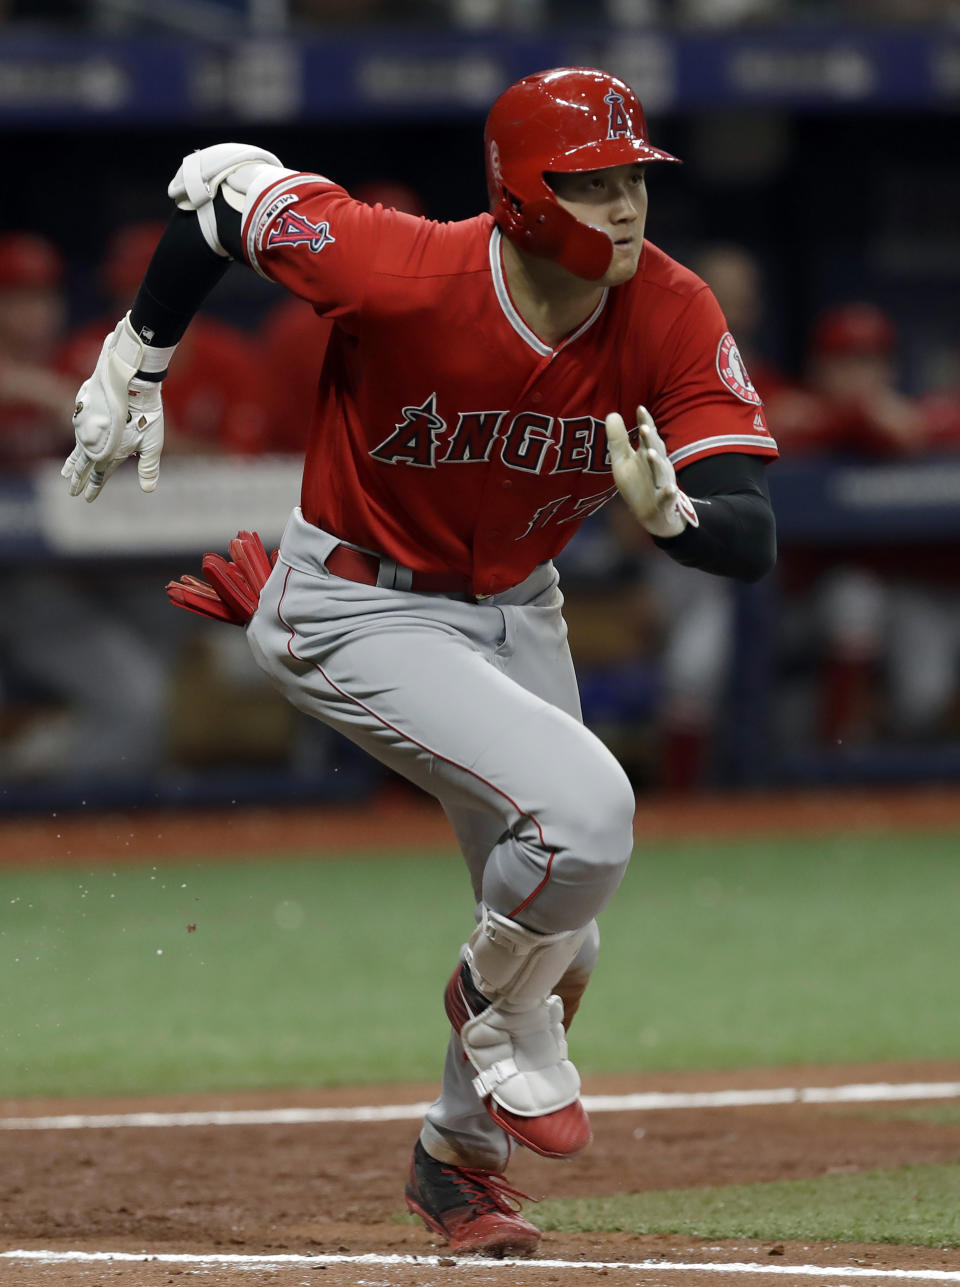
[645,478]
[116,415]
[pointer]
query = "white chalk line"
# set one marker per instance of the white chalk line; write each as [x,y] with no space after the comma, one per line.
[434,1262]
[857,1093]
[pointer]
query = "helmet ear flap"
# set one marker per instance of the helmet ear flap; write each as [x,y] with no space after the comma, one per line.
[507,212]
[544,228]
[547,230]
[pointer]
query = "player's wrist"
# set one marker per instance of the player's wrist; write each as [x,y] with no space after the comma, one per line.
[151,361]
[155,363]
[132,350]
[673,518]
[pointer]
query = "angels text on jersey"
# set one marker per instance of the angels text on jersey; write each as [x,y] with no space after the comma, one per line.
[527,440]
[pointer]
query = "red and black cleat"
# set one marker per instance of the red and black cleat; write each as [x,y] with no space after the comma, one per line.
[557,1134]
[476,1211]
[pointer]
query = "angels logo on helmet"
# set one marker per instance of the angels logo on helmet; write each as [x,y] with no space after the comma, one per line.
[733,372]
[619,125]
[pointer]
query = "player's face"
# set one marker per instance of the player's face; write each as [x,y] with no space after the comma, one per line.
[615,200]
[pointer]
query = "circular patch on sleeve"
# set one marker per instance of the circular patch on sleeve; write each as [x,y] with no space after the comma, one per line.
[733,373]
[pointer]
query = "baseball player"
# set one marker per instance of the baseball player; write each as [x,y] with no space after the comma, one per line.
[487,386]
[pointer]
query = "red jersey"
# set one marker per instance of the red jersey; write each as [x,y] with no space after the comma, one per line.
[294,342]
[448,435]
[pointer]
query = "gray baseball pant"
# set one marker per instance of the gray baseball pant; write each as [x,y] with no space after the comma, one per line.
[476,702]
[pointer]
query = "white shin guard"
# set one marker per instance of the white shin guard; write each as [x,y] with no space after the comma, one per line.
[517,1045]
[514,967]
[521,1059]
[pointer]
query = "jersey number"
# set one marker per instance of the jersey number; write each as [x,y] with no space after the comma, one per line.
[567,510]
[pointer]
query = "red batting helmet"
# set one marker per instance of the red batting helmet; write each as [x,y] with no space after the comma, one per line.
[563,121]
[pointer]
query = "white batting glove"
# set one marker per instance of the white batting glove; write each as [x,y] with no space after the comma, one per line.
[116,415]
[645,478]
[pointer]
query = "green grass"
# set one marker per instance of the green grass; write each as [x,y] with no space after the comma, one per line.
[716,955]
[781,951]
[917,1205]
[297,973]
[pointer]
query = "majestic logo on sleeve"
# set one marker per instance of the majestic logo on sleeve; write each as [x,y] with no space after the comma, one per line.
[292,229]
[733,373]
[618,126]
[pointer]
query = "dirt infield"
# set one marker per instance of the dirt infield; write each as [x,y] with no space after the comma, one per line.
[335,1189]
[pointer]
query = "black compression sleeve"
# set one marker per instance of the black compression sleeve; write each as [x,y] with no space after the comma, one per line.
[181,274]
[229,227]
[737,536]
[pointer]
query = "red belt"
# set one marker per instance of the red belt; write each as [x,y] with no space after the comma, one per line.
[355,565]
